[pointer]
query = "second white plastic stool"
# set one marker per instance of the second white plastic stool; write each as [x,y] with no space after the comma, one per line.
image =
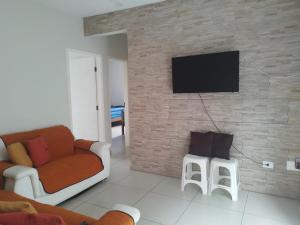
[215,177]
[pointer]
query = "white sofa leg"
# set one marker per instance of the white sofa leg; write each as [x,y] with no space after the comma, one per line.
[21,186]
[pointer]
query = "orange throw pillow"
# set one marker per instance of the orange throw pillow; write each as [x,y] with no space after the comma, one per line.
[18,155]
[30,219]
[18,206]
[38,151]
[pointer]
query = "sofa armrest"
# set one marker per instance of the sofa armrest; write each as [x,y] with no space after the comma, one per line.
[18,172]
[133,212]
[22,180]
[83,144]
[102,150]
[120,215]
[3,166]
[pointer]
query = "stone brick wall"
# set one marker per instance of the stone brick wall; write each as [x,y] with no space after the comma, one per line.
[264,116]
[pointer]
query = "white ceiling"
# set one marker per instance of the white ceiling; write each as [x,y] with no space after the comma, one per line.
[85,8]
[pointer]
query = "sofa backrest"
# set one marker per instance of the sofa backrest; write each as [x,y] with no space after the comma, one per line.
[60,139]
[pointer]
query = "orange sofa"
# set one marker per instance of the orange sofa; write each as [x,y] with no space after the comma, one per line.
[114,217]
[74,166]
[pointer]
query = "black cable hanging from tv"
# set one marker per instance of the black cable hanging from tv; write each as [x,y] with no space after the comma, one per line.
[219,130]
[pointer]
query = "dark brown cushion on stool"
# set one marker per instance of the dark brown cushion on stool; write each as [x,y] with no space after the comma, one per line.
[201,144]
[221,145]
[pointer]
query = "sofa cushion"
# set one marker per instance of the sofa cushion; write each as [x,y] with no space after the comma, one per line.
[70,218]
[221,145]
[60,139]
[115,218]
[38,151]
[18,155]
[64,172]
[201,144]
[18,218]
[83,144]
[17,206]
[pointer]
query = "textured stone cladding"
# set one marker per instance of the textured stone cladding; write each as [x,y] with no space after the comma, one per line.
[264,116]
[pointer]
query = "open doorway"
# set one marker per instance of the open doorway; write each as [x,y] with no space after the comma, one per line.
[118,106]
[118,91]
[99,93]
[117,96]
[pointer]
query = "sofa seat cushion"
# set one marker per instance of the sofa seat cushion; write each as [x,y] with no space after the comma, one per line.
[83,144]
[64,172]
[71,218]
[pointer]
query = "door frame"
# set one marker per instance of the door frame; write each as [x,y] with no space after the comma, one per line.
[99,88]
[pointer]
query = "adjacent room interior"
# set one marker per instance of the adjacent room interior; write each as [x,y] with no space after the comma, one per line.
[118,90]
[150,112]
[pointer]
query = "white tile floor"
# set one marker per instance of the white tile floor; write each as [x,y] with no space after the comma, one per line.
[162,203]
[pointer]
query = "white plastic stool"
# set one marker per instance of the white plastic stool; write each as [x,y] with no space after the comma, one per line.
[215,177]
[188,173]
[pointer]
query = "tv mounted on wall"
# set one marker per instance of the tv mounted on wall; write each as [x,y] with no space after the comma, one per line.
[215,72]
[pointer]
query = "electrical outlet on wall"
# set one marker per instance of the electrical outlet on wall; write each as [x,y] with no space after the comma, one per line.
[268,164]
[297,163]
[291,165]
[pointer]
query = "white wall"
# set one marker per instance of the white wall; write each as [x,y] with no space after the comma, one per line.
[116,50]
[117,46]
[33,77]
[116,81]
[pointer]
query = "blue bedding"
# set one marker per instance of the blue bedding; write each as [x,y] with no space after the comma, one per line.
[116,111]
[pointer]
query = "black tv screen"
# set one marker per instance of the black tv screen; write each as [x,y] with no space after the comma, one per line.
[215,72]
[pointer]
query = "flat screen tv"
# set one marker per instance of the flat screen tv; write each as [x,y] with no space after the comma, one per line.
[215,72]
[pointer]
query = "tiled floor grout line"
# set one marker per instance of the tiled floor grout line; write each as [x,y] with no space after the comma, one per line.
[173,197]
[147,192]
[97,205]
[120,164]
[150,191]
[77,206]
[87,200]
[244,208]
[152,221]
[177,221]
[118,180]
[91,203]
[123,178]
